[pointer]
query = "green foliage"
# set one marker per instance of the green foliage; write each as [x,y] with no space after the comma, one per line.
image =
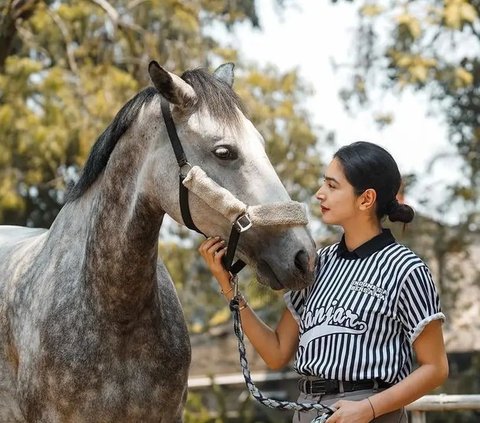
[429,47]
[67,67]
[274,101]
[197,412]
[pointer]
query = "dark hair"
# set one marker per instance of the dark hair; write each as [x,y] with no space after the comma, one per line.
[369,166]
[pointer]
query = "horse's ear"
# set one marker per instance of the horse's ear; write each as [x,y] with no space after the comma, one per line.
[170,86]
[225,73]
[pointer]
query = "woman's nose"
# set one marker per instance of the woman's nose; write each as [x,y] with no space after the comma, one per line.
[319,194]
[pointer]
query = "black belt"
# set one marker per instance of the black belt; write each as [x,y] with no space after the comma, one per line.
[331,386]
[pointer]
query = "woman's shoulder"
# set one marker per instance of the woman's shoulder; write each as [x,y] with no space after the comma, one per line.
[327,250]
[405,251]
[403,257]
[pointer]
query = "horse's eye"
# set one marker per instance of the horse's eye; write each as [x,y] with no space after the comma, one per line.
[225,153]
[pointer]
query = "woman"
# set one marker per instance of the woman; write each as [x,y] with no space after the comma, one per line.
[372,305]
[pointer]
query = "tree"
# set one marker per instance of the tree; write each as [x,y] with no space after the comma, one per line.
[432,47]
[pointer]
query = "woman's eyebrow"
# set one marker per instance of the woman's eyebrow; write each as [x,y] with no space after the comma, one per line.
[330,179]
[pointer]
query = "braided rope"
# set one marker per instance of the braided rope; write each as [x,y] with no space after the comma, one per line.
[268,402]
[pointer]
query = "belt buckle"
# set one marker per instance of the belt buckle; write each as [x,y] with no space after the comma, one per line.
[319,387]
[243,223]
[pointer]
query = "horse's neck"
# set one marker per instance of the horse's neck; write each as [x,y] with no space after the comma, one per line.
[121,237]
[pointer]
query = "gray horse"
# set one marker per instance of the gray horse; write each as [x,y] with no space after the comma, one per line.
[91,328]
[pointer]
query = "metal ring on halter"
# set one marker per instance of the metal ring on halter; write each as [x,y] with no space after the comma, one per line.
[243,223]
[182,167]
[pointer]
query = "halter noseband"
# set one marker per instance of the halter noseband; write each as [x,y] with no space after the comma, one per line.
[241,224]
[240,215]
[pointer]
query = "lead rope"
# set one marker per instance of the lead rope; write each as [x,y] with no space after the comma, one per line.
[268,402]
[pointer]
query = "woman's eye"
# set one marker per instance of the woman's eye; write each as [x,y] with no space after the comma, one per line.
[225,153]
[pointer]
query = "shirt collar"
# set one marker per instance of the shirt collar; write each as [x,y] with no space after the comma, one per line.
[373,245]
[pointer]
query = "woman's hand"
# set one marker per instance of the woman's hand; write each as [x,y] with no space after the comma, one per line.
[212,250]
[351,412]
[276,347]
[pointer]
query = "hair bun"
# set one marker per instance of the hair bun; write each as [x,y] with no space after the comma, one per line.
[398,212]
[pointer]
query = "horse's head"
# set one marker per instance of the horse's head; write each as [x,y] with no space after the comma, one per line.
[216,136]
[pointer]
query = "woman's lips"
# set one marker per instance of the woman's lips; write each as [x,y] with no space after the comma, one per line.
[324,209]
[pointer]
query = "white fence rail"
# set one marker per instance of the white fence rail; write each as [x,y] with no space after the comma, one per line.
[442,402]
[418,409]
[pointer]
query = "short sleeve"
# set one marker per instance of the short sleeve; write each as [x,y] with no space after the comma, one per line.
[295,301]
[419,303]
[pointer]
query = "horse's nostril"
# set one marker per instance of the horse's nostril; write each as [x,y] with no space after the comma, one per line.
[301,261]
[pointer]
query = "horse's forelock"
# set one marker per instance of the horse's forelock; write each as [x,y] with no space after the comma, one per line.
[216,96]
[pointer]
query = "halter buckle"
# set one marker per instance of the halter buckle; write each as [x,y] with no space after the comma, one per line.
[243,223]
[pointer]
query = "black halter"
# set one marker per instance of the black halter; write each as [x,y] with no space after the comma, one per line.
[240,225]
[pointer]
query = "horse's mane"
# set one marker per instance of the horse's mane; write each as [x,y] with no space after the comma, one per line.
[216,96]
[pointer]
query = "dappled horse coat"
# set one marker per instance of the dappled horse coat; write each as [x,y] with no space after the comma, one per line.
[90,324]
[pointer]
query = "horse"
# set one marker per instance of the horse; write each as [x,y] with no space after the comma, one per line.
[91,327]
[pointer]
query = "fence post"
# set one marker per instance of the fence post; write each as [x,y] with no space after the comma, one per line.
[419,417]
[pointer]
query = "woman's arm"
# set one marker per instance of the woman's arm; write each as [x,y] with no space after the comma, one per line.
[276,347]
[432,372]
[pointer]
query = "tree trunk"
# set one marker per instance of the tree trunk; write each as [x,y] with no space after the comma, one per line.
[15,11]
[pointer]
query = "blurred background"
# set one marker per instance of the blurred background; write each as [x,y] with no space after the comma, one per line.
[314,75]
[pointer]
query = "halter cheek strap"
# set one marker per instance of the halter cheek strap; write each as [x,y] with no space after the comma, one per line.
[182,164]
[241,216]
[183,190]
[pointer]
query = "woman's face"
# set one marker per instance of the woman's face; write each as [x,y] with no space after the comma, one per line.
[337,197]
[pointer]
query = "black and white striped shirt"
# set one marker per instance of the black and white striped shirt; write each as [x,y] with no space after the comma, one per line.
[363,312]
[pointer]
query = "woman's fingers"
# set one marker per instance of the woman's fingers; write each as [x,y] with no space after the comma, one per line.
[215,247]
[217,257]
[212,250]
[207,244]
[333,417]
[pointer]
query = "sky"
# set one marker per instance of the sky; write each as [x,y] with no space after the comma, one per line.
[309,37]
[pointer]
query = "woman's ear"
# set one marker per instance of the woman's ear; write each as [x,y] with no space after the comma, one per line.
[367,199]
